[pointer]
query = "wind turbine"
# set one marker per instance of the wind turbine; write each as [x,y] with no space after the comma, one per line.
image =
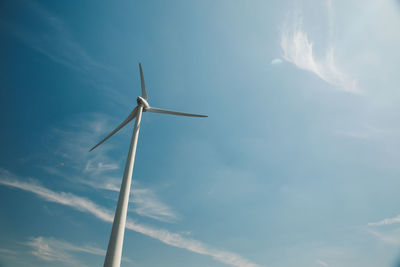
[114,250]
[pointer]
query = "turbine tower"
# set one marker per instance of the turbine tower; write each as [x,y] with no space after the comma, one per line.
[114,250]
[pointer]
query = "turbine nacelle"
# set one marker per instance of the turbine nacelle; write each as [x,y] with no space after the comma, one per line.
[143,103]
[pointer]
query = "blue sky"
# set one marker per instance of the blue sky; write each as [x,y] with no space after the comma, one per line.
[297,164]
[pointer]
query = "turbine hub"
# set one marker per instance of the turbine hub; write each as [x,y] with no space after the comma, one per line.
[142,102]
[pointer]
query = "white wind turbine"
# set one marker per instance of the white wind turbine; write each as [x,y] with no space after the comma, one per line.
[114,250]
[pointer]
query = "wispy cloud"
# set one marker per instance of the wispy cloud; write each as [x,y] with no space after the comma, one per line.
[386,221]
[53,38]
[100,167]
[388,235]
[67,199]
[6,251]
[75,140]
[46,252]
[389,239]
[97,169]
[276,61]
[321,262]
[54,250]
[146,203]
[297,48]
[54,244]
[86,205]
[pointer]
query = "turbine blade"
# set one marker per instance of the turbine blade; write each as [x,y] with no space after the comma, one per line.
[144,93]
[131,116]
[164,111]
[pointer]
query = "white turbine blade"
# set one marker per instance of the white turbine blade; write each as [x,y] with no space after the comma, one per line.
[164,111]
[144,93]
[126,121]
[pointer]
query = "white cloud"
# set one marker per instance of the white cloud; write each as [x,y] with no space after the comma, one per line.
[276,61]
[386,221]
[67,199]
[86,205]
[97,169]
[6,251]
[320,262]
[100,167]
[388,235]
[297,49]
[71,159]
[53,38]
[389,239]
[146,203]
[54,250]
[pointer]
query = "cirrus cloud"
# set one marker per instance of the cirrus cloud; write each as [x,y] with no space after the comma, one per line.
[297,48]
[88,206]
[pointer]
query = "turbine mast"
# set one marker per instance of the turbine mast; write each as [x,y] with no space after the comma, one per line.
[114,250]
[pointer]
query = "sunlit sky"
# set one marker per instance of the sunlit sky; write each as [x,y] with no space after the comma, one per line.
[296,165]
